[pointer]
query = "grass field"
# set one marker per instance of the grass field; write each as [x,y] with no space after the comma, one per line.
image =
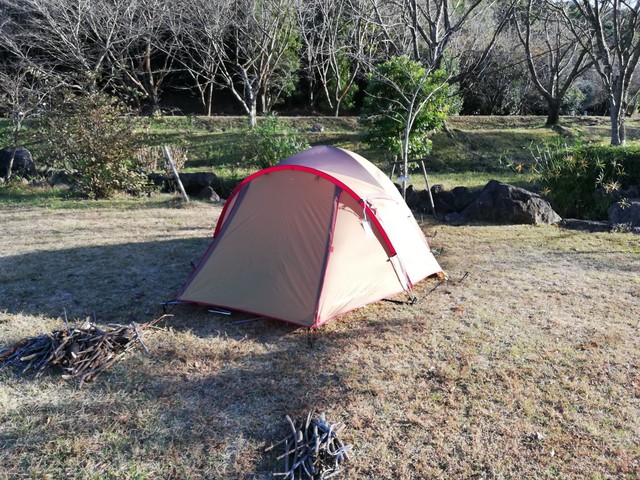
[475,149]
[472,152]
[523,365]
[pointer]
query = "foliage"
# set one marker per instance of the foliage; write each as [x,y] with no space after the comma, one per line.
[583,180]
[395,87]
[92,138]
[271,141]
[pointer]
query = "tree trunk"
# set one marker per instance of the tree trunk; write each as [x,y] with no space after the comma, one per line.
[15,134]
[553,115]
[263,101]
[209,99]
[253,115]
[618,136]
[336,110]
[7,175]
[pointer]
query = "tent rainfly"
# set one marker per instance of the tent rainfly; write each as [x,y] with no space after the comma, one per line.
[319,234]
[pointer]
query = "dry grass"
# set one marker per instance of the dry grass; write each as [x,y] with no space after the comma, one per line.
[526,368]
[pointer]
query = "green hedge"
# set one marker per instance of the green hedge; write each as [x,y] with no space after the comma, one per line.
[582,181]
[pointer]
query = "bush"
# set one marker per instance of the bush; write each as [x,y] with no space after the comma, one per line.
[93,139]
[391,88]
[583,181]
[271,141]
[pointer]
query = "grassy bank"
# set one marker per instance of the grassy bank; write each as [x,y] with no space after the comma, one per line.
[471,152]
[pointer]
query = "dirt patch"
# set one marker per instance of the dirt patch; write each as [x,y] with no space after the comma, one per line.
[523,364]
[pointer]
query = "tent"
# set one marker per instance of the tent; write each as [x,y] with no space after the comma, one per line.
[319,234]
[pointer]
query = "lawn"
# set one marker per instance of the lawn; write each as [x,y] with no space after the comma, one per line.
[524,364]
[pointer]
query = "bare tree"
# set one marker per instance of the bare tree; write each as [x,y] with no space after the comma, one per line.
[112,43]
[437,27]
[339,45]
[610,31]
[139,72]
[198,27]
[78,37]
[256,37]
[553,58]
[23,90]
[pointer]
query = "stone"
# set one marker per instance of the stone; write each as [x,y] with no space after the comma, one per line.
[585,225]
[193,183]
[502,203]
[625,213]
[443,200]
[462,198]
[208,193]
[23,164]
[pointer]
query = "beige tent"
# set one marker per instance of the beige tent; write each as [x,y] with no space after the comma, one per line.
[319,234]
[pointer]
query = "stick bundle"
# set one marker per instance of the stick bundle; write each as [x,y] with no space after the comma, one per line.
[312,450]
[84,352]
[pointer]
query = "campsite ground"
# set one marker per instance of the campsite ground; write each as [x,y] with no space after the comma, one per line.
[524,364]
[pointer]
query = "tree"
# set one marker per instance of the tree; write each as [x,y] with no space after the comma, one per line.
[23,90]
[610,32]
[257,36]
[554,60]
[197,27]
[147,62]
[438,30]
[77,38]
[119,45]
[404,102]
[338,42]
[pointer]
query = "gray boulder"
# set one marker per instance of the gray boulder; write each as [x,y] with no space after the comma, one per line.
[443,200]
[585,225]
[209,194]
[502,203]
[193,183]
[463,197]
[23,164]
[625,214]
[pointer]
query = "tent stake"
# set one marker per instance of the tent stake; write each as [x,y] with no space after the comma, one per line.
[237,322]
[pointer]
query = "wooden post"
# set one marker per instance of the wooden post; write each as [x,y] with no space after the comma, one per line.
[167,156]
[426,179]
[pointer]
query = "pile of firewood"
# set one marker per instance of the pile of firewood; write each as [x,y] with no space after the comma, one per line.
[83,352]
[313,449]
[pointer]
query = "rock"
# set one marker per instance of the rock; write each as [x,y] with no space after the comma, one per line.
[207,193]
[463,197]
[502,203]
[316,128]
[585,225]
[625,214]
[443,200]
[193,183]
[23,164]
[412,198]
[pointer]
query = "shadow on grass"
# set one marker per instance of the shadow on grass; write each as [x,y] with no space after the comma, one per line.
[114,283]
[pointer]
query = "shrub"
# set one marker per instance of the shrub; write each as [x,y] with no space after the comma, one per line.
[391,89]
[95,141]
[271,141]
[583,180]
